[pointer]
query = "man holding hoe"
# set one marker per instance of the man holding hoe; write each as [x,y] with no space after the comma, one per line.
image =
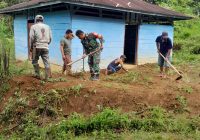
[164,47]
[92,48]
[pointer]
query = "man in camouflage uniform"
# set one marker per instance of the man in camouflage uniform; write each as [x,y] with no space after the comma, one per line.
[40,38]
[90,44]
[65,48]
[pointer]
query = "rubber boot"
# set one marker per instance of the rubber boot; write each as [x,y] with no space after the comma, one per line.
[37,71]
[69,71]
[63,71]
[48,74]
[92,77]
[96,77]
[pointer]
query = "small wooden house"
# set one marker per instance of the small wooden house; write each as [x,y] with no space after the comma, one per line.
[129,27]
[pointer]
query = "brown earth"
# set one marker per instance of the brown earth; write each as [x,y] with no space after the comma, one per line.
[148,91]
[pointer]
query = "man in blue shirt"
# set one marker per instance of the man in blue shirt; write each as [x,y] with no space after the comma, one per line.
[164,46]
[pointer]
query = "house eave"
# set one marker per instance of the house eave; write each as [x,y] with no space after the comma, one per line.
[95,6]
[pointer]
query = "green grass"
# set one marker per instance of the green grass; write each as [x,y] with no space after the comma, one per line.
[111,124]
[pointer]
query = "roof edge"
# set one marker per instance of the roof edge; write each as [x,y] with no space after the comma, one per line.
[4,11]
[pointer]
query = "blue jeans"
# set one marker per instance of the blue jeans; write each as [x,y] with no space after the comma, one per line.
[112,69]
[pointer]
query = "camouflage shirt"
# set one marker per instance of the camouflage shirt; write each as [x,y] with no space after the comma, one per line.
[66,43]
[90,43]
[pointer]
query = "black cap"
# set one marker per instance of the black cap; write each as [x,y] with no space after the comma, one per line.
[123,56]
[164,34]
[79,32]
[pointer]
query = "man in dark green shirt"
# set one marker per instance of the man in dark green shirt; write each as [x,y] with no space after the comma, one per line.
[90,44]
[65,48]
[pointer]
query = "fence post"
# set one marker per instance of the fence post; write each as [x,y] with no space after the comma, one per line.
[4,61]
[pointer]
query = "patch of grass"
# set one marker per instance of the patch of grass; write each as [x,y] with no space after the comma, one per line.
[186,89]
[22,69]
[182,104]
[128,78]
[49,103]
[14,110]
[4,87]
[61,79]
[113,123]
[76,89]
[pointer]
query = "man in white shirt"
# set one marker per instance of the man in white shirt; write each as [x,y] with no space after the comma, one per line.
[40,38]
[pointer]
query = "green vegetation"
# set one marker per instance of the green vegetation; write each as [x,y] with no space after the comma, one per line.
[129,78]
[40,117]
[112,123]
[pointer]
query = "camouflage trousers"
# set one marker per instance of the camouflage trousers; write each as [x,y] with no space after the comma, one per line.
[93,62]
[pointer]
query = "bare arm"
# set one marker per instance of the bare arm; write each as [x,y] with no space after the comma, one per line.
[122,64]
[169,53]
[158,46]
[170,48]
[62,50]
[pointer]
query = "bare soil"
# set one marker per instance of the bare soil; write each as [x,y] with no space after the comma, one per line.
[129,97]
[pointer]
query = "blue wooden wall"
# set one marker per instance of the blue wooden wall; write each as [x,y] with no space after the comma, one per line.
[147,51]
[113,31]
[59,22]
[21,37]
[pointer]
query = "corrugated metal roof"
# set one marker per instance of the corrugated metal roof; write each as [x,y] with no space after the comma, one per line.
[138,6]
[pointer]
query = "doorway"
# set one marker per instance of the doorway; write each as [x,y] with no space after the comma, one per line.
[131,43]
[29,24]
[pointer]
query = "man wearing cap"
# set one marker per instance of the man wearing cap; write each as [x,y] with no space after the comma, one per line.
[65,48]
[40,38]
[164,46]
[116,65]
[90,45]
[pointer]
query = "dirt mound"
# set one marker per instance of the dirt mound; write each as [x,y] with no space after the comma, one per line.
[131,92]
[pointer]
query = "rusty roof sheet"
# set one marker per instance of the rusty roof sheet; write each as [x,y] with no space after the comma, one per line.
[138,6]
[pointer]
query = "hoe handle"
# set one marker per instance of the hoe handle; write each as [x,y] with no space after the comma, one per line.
[83,57]
[175,69]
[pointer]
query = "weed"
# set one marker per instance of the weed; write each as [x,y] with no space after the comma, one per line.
[57,80]
[76,89]
[49,103]
[128,78]
[15,108]
[108,119]
[182,104]
[108,85]
[93,91]
[5,87]
[107,123]
[186,89]
[22,69]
